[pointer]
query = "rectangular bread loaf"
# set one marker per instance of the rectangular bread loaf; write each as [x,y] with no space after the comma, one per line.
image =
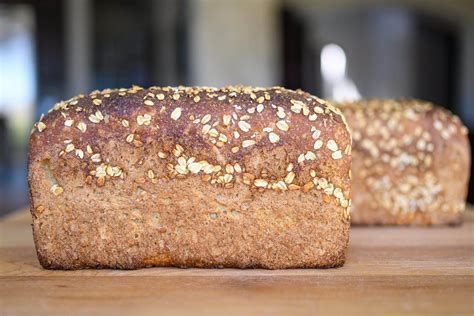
[191,177]
[411,163]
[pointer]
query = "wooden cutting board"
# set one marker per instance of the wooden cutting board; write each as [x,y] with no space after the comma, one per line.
[428,271]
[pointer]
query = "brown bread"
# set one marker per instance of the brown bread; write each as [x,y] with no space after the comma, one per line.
[191,177]
[411,163]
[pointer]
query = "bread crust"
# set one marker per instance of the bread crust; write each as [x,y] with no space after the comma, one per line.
[411,163]
[191,177]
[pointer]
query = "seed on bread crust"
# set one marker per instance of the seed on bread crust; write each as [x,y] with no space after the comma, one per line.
[176,114]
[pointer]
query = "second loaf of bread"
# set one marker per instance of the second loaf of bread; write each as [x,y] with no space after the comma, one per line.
[192,177]
[411,163]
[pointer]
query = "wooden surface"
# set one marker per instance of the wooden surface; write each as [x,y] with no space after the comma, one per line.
[389,271]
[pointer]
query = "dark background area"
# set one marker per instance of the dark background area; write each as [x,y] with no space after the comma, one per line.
[53,49]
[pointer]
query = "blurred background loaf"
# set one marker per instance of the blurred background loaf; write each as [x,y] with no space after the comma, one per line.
[411,163]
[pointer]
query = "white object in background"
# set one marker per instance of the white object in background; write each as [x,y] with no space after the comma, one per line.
[337,85]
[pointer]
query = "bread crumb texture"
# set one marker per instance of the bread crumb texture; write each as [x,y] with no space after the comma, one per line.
[191,177]
[411,163]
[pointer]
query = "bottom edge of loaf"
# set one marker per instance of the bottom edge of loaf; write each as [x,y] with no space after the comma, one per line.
[374,223]
[51,264]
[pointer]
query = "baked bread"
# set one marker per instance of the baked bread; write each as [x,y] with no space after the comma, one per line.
[410,163]
[191,177]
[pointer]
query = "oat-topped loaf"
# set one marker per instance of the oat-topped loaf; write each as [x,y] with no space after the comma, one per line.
[191,177]
[411,163]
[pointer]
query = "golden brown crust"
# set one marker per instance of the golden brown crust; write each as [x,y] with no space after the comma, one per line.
[411,163]
[237,177]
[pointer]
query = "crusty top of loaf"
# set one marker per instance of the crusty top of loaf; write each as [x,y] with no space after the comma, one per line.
[363,113]
[207,131]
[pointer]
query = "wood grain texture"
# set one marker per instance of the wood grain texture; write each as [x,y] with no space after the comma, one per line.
[395,270]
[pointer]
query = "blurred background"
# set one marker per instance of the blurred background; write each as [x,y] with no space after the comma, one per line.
[53,49]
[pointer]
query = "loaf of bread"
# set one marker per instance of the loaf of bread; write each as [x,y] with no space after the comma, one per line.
[410,164]
[191,177]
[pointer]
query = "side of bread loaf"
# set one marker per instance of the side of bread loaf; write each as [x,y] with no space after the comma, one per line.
[191,177]
[411,163]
